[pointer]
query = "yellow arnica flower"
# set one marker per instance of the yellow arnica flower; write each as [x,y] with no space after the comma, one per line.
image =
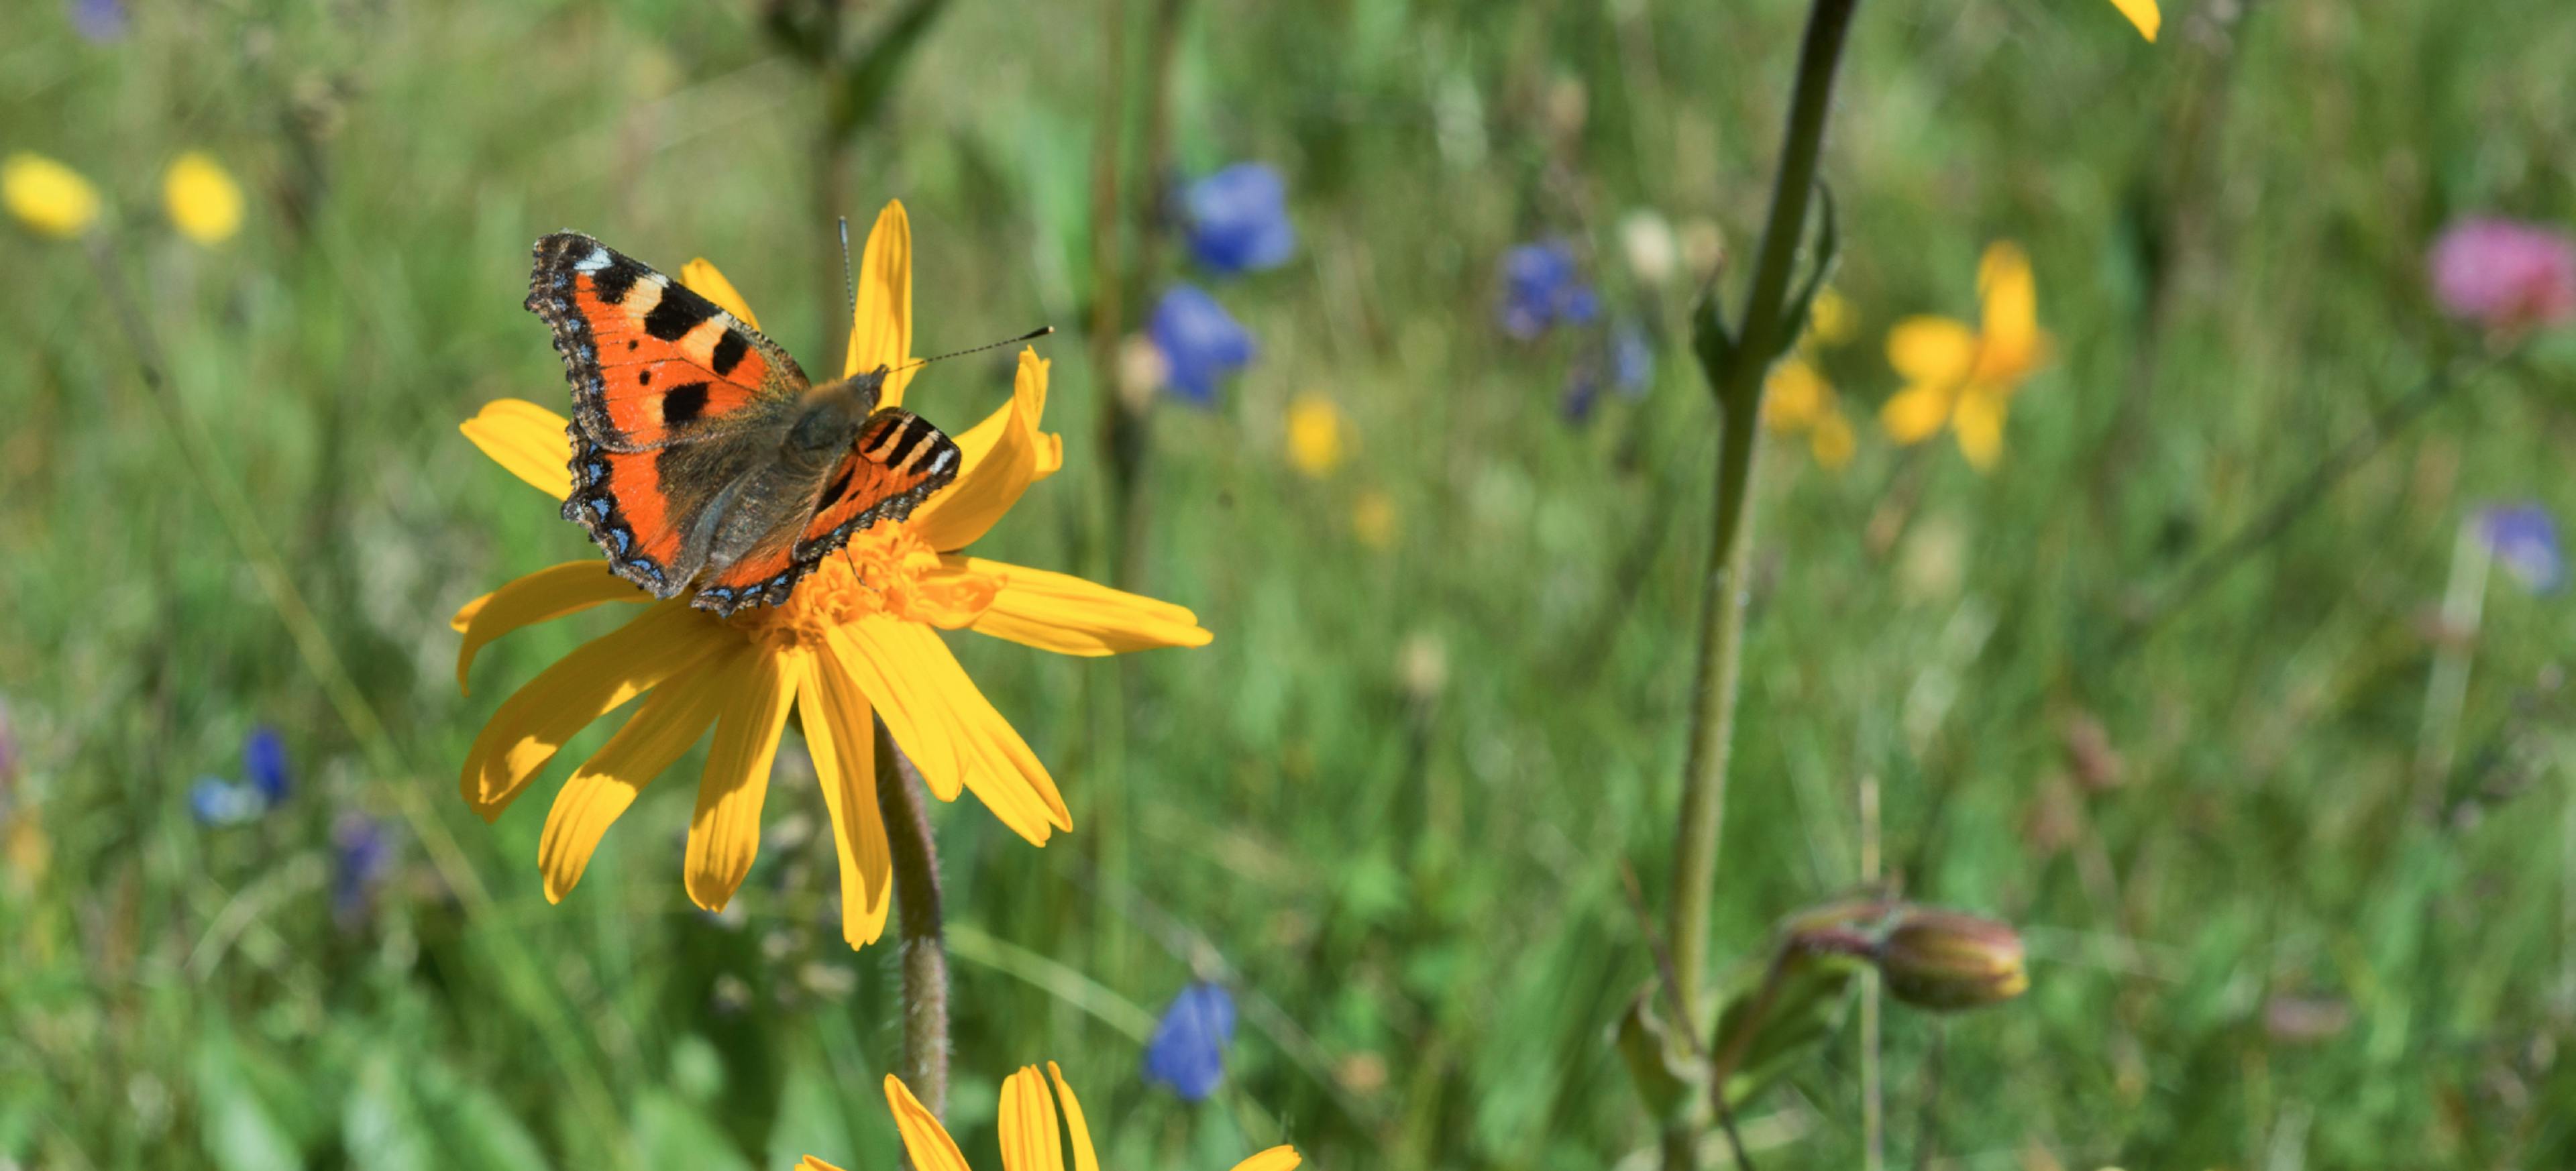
[1318,434]
[1796,398]
[860,636]
[203,200]
[2143,14]
[1964,378]
[46,195]
[1031,1140]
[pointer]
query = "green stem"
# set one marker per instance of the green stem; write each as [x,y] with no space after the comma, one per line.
[924,947]
[1737,377]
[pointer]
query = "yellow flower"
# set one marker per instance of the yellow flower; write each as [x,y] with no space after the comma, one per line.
[1963,378]
[858,637]
[1373,518]
[1316,434]
[46,195]
[1796,399]
[2143,14]
[202,199]
[1030,1138]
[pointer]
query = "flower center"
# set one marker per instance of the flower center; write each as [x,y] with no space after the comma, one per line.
[884,569]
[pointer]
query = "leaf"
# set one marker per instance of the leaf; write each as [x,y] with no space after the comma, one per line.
[1793,319]
[1658,1058]
[479,1133]
[809,1121]
[1804,1010]
[1716,347]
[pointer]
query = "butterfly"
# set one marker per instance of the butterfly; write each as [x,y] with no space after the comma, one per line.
[703,458]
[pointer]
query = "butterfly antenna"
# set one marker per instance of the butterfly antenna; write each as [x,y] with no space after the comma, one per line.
[849,276]
[1031,335]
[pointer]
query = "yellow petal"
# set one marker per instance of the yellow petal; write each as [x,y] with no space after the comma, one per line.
[724,833]
[1002,456]
[859,652]
[881,319]
[1070,616]
[701,276]
[1030,1141]
[992,761]
[810,1163]
[2143,14]
[1084,1158]
[1916,412]
[1832,440]
[1793,396]
[2011,315]
[1279,1158]
[597,677]
[543,596]
[528,440]
[663,726]
[840,736]
[1316,434]
[46,195]
[203,201]
[924,1139]
[1932,349]
[1830,318]
[1980,424]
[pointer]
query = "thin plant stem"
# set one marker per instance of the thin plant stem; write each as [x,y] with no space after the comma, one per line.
[1112,417]
[1738,383]
[1873,1089]
[924,946]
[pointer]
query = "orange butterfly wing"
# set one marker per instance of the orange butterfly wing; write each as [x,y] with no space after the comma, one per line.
[653,366]
[898,461]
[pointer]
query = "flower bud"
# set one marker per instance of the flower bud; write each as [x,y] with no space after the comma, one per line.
[1943,960]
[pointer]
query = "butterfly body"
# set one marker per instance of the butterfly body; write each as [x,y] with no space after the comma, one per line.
[703,459]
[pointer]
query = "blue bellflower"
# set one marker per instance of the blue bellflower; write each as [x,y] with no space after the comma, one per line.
[359,852]
[1237,220]
[264,763]
[1541,289]
[1188,1049]
[2525,539]
[1200,342]
[98,21]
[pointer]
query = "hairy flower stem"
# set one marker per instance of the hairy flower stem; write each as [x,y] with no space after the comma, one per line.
[1737,377]
[924,947]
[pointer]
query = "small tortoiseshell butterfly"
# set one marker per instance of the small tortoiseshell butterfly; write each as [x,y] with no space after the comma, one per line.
[702,456]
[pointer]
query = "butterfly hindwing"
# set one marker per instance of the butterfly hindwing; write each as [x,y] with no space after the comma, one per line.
[898,461]
[656,370]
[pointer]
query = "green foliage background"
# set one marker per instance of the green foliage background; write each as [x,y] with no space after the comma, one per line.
[1417,888]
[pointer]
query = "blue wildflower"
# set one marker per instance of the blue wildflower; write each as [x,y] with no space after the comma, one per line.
[1541,288]
[1188,1049]
[1199,340]
[1582,392]
[359,853]
[98,21]
[1238,219]
[264,763]
[216,801]
[2525,539]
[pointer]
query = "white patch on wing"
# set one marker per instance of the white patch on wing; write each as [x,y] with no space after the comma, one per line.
[597,260]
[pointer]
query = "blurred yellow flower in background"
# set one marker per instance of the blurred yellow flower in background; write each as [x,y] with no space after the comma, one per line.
[1964,378]
[202,199]
[2143,14]
[1373,518]
[857,639]
[1796,398]
[1032,1138]
[1318,434]
[46,195]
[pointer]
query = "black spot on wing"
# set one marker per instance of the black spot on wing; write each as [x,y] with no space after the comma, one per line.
[618,279]
[684,403]
[643,378]
[678,312]
[729,352]
[915,429]
[839,484]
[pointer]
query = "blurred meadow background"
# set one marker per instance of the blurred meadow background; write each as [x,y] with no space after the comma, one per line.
[2205,684]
